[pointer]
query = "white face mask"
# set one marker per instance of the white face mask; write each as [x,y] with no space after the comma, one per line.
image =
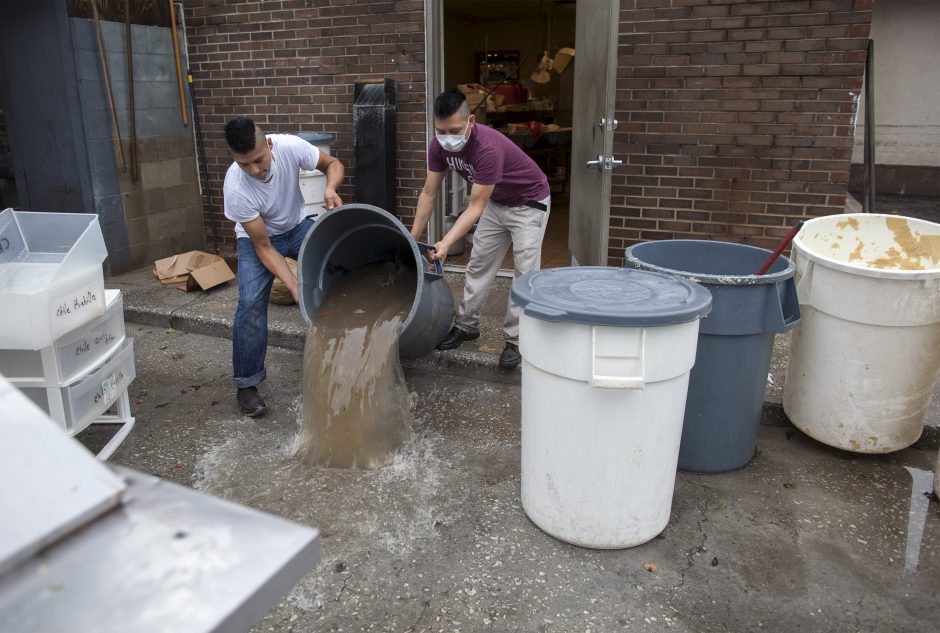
[453,142]
[271,171]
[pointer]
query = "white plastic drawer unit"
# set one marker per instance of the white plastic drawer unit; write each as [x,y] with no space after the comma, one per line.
[73,354]
[77,405]
[50,276]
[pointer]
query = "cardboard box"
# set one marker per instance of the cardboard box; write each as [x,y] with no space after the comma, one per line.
[195,270]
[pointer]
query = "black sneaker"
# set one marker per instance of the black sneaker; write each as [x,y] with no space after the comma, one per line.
[250,403]
[510,357]
[456,337]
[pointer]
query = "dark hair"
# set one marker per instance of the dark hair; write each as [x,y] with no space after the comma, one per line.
[449,102]
[240,135]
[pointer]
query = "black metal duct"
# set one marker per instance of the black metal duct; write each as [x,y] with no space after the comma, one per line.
[374,108]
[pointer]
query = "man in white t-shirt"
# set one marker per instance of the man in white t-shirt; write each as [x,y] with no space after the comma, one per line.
[262,196]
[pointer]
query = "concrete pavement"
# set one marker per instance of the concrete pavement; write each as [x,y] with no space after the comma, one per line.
[804,538]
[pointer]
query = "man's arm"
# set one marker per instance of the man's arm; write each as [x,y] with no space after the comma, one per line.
[268,255]
[334,171]
[432,187]
[479,196]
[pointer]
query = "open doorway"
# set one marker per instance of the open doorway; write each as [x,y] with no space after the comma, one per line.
[515,63]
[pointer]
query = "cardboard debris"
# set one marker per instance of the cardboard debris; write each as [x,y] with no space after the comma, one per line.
[195,270]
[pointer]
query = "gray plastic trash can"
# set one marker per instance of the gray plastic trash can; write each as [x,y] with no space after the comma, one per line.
[735,345]
[357,234]
[322,140]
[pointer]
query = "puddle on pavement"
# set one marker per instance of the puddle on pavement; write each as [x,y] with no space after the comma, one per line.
[921,489]
[356,406]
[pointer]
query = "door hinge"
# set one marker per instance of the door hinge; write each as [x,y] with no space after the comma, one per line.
[608,124]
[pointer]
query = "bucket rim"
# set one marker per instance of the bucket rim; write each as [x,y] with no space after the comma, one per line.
[395,224]
[717,280]
[860,269]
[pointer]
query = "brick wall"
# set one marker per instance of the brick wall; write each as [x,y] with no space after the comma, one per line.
[736,116]
[291,65]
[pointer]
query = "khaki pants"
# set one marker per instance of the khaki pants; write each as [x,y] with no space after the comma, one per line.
[498,227]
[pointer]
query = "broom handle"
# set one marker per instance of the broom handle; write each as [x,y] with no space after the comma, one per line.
[786,241]
[179,69]
[107,83]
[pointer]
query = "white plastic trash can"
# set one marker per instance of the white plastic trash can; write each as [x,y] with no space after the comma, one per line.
[312,188]
[865,359]
[313,182]
[606,360]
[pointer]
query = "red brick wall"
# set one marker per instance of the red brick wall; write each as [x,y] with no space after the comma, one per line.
[736,116]
[291,65]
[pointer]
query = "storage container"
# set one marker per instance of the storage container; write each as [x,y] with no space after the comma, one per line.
[358,234]
[312,187]
[606,355]
[75,406]
[735,343]
[865,359]
[51,280]
[72,354]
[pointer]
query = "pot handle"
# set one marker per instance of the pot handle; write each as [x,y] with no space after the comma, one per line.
[432,270]
[783,314]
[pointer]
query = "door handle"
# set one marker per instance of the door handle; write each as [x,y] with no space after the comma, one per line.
[604,162]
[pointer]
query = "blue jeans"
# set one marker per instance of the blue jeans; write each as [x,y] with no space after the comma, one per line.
[250,329]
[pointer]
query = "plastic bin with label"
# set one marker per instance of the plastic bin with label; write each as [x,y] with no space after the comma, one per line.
[85,401]
[51,280]
[71,355]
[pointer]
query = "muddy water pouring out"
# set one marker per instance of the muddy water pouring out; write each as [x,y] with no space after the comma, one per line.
[357,410]
[369,296]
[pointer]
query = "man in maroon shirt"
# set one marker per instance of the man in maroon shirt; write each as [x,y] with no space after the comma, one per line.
[509,202]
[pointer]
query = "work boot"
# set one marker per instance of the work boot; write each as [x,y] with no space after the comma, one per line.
[456,337]
[510,357]
[250,402]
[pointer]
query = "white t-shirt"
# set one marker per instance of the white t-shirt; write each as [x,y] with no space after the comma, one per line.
[279,202]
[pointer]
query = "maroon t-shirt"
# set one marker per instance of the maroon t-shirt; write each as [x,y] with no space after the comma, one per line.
[489,158]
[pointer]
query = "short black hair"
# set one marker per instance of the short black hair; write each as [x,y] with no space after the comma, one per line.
[449,102]
[240,134]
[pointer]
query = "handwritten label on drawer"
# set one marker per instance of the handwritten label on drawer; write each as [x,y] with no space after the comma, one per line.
[76,304]
[109,388]
[93,342]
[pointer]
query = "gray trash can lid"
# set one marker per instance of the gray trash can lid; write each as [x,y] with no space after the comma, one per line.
[316,137]
[597,295]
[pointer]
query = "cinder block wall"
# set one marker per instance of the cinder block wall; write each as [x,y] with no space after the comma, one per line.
[160,213]
[292,66]
[737,117]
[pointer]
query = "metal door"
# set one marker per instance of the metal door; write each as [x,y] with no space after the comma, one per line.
[592,135]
